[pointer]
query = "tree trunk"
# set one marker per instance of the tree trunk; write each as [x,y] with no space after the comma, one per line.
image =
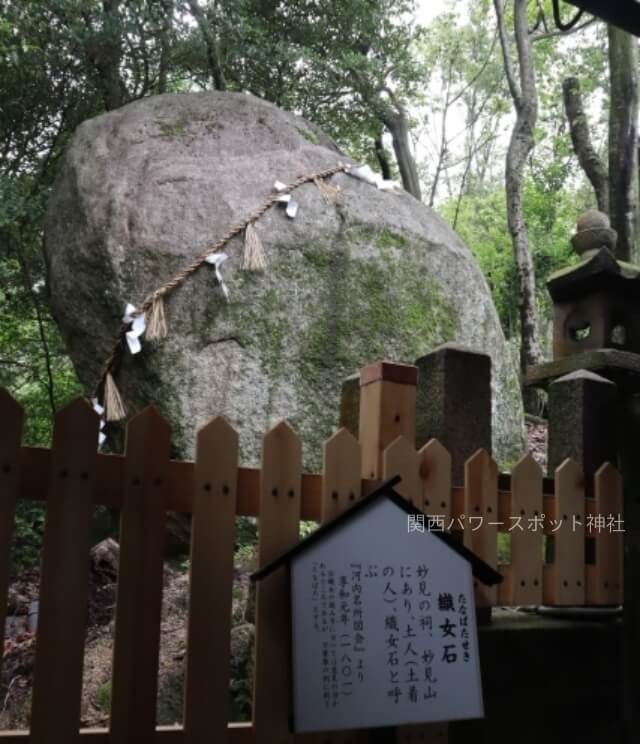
[623,141]
[443,151]
[212,45]
[165,45]
[383,158]
[105,53]
[525,98]
[520,147]
[594,168]
[397,125]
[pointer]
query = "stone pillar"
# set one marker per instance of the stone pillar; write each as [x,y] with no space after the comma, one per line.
[350,404]
[582,423]
[453,403]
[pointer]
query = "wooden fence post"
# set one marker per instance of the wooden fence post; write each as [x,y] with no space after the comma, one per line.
[387,410]
[11,416]
[64,578]
[480,510]
[278,530]
[523,578]
[605,579]
[341,483]
[565,579]
[400,458]
[206,710]
[435,471]
[341,487]
[426,475]
[140,571]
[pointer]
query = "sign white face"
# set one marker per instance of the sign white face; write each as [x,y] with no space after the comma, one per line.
[384,628]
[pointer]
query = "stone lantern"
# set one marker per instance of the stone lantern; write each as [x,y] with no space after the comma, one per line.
[596,303]
[596,342]
[594,392]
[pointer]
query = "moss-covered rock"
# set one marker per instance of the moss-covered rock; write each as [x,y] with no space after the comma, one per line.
[147,187]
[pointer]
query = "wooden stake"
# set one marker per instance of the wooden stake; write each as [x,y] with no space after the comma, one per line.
[55,713]
[278,530]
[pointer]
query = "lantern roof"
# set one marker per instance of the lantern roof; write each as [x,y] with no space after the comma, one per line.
[601,272]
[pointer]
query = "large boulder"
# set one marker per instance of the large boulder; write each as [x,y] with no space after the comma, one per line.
[144,189]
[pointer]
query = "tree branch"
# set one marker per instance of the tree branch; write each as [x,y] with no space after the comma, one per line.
[551,34]
[470,83]
[35,300]
[508,67]
[591,164]
[528,93]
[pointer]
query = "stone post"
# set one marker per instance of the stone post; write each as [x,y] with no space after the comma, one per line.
[350,404]
[454,403]
[582,423]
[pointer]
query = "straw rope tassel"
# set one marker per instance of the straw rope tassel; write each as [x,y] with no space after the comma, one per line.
[254,258]
[331,194]
[156,319]
[113,405]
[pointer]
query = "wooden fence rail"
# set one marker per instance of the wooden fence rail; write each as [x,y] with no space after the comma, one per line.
[72,478]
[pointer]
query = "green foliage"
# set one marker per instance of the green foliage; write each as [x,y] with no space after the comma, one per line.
[504,548]
[482,224]
[28,533]
[551,216]
[245,554]
[103,697]
[341,63]
[22,717]
[246,531]
[34,366]
[306,528]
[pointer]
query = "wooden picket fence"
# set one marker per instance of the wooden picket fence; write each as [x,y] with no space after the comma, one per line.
[72,478]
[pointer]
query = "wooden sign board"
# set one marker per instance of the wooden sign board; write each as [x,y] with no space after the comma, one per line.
[384,627]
